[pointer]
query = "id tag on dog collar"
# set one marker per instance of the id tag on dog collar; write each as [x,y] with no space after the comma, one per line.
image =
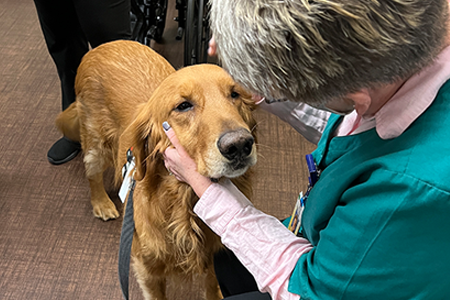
[128,174]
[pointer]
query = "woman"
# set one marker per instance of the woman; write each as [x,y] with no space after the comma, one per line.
[375,224]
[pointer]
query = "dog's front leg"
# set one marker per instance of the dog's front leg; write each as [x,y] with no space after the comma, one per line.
[102,205]
[211,285]
[153,286]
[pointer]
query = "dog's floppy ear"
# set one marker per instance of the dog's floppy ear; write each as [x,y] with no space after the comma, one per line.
[141,135]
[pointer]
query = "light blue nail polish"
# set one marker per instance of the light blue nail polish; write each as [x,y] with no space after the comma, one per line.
[166,126]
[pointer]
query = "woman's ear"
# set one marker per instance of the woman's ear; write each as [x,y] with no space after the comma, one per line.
[362,100]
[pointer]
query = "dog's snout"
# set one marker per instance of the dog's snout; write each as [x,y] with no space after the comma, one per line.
[235,145]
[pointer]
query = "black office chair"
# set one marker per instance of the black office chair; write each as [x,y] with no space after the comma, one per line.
[197,33]
[149,19]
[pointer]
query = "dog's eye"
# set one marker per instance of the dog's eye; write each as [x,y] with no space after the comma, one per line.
[183,107]
[234,95]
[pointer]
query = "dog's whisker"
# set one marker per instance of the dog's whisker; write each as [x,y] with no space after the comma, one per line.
[261,155]
[264,146]
[256,125]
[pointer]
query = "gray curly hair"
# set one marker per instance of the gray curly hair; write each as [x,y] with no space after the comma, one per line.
[316,50]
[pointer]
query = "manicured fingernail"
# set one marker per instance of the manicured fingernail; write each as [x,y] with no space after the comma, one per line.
[258,99]
[166,126]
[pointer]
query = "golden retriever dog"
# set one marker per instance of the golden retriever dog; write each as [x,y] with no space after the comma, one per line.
[125,91]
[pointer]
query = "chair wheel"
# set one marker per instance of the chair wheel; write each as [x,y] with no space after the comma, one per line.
[180,32]
[197,33]
[148,20]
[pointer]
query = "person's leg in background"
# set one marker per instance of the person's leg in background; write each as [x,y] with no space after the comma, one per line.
[234,279]
[66,44]
[68,30]
[104,20]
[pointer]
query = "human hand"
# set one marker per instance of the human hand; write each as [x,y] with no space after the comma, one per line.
[181,165]
[258,99]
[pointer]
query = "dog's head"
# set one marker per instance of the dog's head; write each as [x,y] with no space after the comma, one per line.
[211,116]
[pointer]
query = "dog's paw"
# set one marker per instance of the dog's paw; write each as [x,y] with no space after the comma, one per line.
[106,211]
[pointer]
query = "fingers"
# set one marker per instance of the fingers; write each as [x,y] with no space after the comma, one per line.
[166,163]
[171,135]
[169,164]
[258,99]
[179,164]
[172,155]
[174,140]
[170,152]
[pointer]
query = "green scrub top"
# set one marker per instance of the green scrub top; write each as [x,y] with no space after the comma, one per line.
[379,215]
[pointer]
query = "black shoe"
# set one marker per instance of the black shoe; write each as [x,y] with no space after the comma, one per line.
[63,151]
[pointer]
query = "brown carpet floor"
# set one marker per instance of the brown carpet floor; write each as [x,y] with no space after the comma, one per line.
[51,246]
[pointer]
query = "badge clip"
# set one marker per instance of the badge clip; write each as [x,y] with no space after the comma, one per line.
[128,171]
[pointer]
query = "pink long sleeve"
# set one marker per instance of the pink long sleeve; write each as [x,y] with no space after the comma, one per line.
[262,244]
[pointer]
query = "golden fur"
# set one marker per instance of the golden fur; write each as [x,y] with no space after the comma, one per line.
[125,91]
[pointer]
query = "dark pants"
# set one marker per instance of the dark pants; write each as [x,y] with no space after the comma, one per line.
[236,283]
[69,26]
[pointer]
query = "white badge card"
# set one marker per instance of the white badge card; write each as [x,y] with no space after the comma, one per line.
[128,171]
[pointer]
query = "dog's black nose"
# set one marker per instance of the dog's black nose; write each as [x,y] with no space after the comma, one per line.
[235,145]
